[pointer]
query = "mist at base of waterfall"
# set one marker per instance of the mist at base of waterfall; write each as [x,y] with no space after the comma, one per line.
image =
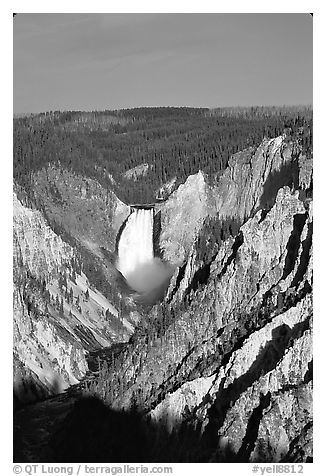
[147,276]
[150,279]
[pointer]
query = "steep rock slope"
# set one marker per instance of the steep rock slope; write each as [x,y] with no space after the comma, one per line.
[221,370]
[80,207]
[57,314]
[250,182]
[228,356]
[88,216]
[181,216]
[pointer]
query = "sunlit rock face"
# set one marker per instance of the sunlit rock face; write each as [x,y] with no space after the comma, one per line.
[47,356]
[182,216]
[230,375]
[81,206]
[136,260]
[223,372]
[50,341]
[250,181]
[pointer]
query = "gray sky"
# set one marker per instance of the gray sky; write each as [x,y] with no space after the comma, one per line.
[113,61]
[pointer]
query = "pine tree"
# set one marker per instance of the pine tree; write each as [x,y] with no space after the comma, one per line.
[60,282]
[47,295]
[61,307]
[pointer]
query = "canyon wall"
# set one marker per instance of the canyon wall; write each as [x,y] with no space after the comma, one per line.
[221,369]
[58,315]
[224,372]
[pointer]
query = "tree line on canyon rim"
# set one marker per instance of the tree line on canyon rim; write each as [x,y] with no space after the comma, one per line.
[174,142]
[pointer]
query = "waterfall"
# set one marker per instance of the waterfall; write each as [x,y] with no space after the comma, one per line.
[144,273]
[135,247]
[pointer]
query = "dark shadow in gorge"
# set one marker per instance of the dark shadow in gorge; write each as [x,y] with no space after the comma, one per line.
[87,431]
[287,175]
[157,228]
[122,227]
[84,430]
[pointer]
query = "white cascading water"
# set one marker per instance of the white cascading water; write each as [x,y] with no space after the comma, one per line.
[136,242]
[136,261]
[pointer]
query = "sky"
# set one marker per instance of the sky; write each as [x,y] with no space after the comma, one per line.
[112,61]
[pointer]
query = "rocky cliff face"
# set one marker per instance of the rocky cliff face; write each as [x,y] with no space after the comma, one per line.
[250,182]
[226,373]
[58,316]
[221,370]
[181,218]
[89,217]
[80,207]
